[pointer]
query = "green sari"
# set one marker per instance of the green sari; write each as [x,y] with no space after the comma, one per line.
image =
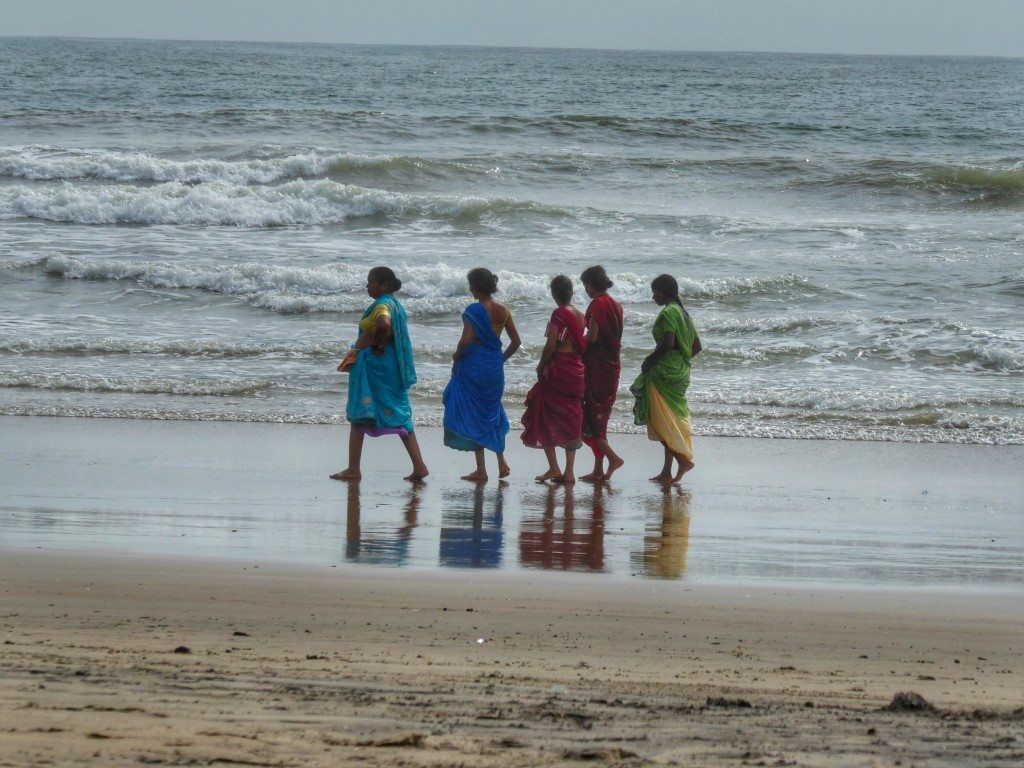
[671,374]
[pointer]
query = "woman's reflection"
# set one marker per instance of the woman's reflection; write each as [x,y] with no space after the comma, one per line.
[564,542]
[667,536]
[471,536]
[378,541]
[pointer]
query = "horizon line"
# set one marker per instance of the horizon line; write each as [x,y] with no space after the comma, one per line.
[519,47]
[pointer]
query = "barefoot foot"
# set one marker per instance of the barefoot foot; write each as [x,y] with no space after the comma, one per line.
[504,470]
[348,475]
[684,467]
[549,475]
[613,464]
[663,478]
[418,474]
[566,478]
[592,477]
[480,476]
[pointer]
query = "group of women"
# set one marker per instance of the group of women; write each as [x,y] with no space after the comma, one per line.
[569,405]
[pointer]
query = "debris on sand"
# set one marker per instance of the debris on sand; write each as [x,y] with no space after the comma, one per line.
[908,701]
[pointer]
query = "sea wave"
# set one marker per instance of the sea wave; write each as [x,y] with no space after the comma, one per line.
[293,203]
[212,348]
[133,384]
[981,430]
[426,289]
[55,163]
[971,182]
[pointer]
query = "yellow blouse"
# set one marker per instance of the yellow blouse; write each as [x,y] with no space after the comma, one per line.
[499,327]
[368,323]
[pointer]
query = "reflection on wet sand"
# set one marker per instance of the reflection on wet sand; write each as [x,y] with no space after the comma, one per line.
[564,541]
[471,536]
[379,544]
[667,538]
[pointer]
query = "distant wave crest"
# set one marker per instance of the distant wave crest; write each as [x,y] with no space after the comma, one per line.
[299,202]
[60,164]
[435,288]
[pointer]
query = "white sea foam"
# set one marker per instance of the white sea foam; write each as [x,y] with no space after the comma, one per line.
[432,288]
[982,430]
[183,347]
[132,384]
[1000,358]
[55,164]
[293,203]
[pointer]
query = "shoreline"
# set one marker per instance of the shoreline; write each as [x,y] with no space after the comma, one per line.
[798,513]
[869,434]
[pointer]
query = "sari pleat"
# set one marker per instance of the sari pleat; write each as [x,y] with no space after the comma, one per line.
[474,417]
[660,393]
[602,368]
[378,384]
[554,405]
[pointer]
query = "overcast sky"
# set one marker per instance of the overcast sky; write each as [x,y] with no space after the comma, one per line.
[940,27]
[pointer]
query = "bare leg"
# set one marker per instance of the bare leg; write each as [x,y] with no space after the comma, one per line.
[504,470]
[419,469]
[666,471]
[614,460]
[553,470]
[685,465]
[598,474]
[355,456]
[567,477]
[480,475]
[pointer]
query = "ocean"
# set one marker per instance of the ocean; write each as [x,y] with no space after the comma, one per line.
[185,228]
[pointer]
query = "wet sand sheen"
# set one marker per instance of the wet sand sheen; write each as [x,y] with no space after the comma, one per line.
[754,511]
[151,614]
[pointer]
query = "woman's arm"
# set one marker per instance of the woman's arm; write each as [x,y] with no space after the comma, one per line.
[665,345]
[549,349]
[465,341]
[593,332]
[381,331]
[364,340]
[514,342]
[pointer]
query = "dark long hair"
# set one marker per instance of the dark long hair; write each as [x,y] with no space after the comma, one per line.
[597,278]
[387,278]
[482,280]
[667,286]
[561,289]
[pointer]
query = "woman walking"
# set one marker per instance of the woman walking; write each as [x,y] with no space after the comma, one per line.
[554,405]
[380,377]
[660,389]
[474,418]
[601,365]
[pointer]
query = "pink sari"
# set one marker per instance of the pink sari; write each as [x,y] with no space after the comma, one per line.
[601,360]
[554,406]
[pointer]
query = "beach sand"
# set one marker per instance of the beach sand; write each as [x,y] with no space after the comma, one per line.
[119,644]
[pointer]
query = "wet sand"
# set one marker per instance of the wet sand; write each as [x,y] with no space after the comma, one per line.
[291,666]
[180,593]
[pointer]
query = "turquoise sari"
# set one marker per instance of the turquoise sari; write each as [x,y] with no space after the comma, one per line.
[378,384]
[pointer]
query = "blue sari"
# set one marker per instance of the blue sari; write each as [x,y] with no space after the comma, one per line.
[474,417]
[378,385]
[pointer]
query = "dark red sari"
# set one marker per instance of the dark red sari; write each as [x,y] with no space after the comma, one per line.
[554,405]
[602,366]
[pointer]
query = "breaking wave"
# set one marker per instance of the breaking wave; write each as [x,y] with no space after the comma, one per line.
[435,288]
[293,203]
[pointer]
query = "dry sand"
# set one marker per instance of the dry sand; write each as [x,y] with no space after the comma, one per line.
[360,666]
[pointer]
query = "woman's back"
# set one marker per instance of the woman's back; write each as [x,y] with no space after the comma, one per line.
[498,314]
